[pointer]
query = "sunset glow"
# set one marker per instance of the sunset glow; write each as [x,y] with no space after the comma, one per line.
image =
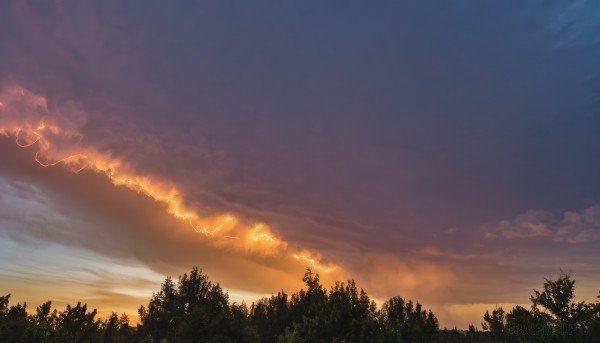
[104,165]
[397,152]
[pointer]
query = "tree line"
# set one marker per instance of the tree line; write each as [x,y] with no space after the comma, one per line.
[194,309]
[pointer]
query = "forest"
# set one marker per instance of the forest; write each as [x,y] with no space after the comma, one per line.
[195,309]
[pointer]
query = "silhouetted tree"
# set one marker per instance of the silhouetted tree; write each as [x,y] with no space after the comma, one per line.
[452,336]
[196,310]
[16,323]
[158,320]
[240,327]
[495,323]
[557,298]
[406,322]
[42,324]
[270,316]
[346,314]
[552,310]
[308,312]
[76,325]
[116,329]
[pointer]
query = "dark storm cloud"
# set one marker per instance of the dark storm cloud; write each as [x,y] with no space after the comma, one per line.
[395,131]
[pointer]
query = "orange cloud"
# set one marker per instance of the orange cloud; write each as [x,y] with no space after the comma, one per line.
[57,142]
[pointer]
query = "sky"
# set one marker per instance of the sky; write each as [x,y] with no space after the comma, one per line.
[444,152]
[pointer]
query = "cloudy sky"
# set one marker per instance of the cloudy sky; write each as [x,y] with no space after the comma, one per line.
[446,153]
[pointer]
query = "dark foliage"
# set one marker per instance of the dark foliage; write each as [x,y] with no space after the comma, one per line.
[194,309]
[553,317]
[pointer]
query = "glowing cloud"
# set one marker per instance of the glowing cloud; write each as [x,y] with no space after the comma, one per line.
[260,236]
[313,263]
[25,117]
